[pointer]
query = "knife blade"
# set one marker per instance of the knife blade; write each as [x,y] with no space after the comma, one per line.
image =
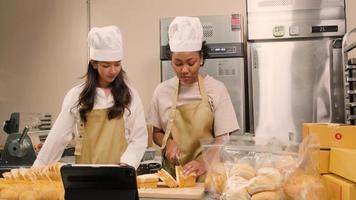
[178,160]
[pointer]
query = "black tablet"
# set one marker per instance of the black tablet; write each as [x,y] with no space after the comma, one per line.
[94,182]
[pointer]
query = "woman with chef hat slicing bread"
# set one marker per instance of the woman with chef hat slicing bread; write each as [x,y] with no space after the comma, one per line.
[105,112]
[188,107]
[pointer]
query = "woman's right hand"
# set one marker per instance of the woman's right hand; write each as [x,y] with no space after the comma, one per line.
[172,151]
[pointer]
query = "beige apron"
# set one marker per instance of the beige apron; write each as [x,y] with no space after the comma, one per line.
[101,141]
[188,124]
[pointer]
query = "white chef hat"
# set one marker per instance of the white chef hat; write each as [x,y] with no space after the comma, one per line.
[105,43]
[185,34]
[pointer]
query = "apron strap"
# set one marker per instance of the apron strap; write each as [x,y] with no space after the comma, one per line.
[174,108]
[202,90]
[171,115]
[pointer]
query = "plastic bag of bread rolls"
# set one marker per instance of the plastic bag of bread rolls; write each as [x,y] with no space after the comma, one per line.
[272,171]
[215,177]
[304,182]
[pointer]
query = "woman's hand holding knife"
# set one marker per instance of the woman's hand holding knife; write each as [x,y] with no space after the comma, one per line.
[172,151]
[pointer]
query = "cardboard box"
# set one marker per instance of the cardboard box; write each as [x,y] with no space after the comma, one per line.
[324,157]
[343,163]
[339,188]
[332,135]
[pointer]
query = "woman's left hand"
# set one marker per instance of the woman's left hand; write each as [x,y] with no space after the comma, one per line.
[194,166]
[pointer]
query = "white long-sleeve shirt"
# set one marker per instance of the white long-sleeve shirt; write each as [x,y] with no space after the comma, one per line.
[68,122]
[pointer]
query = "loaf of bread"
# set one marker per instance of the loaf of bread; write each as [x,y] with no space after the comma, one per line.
[9,194]
[32,184]
[147,181]
[185,180]
[50,173]
[29,195]
[167,178]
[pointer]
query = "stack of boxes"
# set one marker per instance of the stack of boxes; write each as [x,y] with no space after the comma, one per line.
[337,157]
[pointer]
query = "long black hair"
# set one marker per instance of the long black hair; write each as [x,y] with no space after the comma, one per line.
[119,90]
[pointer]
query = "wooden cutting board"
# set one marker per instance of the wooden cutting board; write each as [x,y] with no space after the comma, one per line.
[164,192]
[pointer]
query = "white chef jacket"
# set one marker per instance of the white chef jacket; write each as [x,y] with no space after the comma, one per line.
[68,122]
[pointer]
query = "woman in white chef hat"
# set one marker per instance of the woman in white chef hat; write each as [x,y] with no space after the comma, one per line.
[189,107]
[104,111]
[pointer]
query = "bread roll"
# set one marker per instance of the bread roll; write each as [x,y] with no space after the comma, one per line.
[237,182]
[215,182]
[260,184]
[265,161]
[236,188]
[267,179]
[285,163]
[304,186]
[244,170]
[215,179]
[237,194]
[273,174]
[268,195]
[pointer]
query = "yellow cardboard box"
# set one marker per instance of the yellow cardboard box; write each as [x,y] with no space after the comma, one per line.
[343,163]
[332,135]
[339,188]
[324,157]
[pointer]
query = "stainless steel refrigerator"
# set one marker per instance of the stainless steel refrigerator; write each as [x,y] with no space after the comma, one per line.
[225,62]
[294,65]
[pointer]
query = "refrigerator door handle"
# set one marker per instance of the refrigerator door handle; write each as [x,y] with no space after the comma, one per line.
[334,44]
[331,67]
[252,65]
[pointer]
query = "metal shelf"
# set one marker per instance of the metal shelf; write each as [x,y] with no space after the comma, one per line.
[352,117]
[351,91]
[349,77]
[352,104]
[352,61]
[350,67]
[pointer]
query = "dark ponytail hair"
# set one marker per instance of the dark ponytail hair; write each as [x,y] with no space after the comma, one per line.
[119,90]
